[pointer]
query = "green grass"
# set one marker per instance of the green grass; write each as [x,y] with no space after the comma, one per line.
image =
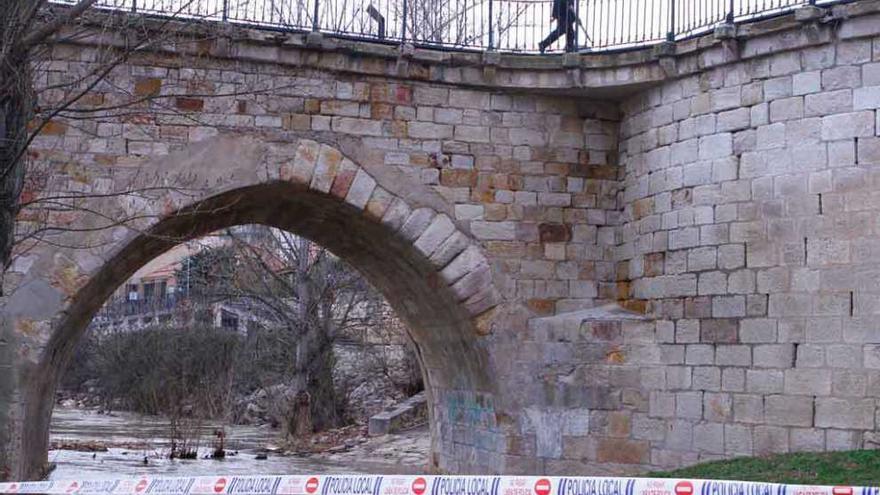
[853,468]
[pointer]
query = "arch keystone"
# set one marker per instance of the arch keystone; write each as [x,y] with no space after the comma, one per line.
[329,159]
[303,163]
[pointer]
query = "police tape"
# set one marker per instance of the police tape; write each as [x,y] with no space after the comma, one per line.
[418,485]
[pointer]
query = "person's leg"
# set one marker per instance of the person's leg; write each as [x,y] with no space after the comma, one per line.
[570,34]
[552,37]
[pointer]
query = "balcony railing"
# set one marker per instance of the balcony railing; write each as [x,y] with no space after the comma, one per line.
[122,308]
[504,25]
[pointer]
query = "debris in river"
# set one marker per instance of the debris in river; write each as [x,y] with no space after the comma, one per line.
[82,446]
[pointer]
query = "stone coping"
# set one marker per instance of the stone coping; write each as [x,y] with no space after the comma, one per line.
[609,75]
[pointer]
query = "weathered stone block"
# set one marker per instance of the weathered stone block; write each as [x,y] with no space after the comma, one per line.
[866,98]
[718,331]
[846,413]
[471,259]
[848,125]
[774,356]
[329,160]
[765,381]
[829,102]
[439,230]
[303,163]
[623,451]
[737,440]
[789,411]
[728,306]
[770,440]
[804,381]
[709,437]
[361,189]
[733,355]
[416,223]
[503,231]
[748,408]
[787,109]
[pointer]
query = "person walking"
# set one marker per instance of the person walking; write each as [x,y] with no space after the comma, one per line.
[564,14]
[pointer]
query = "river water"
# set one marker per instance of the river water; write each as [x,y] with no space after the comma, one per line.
[137,448]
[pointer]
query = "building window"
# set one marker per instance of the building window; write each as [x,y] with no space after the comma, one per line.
[132,292]
[228,320]
[149,291]
[162,289]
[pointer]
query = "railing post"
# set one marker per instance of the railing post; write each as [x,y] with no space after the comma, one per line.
[670,35]
[403,21]
[225,10]
[315,16]
[491,27]
[577,25]
[730,15]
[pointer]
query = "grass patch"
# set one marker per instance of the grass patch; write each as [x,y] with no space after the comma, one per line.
[852,468]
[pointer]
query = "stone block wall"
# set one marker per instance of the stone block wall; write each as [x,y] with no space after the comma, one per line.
[732,204]
[751,225]
[532,181]
[534,178]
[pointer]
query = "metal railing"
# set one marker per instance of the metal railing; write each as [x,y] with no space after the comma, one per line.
[121,307]
[505,25]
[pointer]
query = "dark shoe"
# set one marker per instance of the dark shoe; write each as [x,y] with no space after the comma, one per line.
[542,48]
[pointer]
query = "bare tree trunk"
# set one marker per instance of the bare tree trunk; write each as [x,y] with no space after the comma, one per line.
[17,102]
[303,295]
[302,426]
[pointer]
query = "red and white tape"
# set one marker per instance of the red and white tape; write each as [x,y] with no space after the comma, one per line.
[417,485]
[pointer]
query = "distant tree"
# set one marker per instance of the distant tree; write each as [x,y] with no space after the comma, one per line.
[307,299]
[207,272]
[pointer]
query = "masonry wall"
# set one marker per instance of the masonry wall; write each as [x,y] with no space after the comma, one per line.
[751,225]
[534,179]
[732,206]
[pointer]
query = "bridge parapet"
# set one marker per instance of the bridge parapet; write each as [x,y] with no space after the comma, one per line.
[611,75]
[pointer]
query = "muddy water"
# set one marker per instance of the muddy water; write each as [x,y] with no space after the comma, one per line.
[127,431]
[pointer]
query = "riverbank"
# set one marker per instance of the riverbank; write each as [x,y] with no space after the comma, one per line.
[848,468]
[121,444]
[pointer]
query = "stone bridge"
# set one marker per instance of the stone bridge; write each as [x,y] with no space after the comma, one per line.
[608,262]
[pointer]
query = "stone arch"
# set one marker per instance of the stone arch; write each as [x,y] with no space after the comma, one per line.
[401,236]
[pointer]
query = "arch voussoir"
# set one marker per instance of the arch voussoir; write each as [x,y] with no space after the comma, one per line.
[452,253]
[379,203]
[433,234]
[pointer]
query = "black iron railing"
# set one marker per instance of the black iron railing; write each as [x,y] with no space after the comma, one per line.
[506,25]
[121,307]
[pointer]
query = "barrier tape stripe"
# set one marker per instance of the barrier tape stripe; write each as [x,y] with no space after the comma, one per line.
[416,485]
